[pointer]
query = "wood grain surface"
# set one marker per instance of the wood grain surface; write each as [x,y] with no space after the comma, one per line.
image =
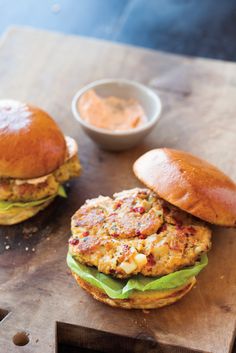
[42,299]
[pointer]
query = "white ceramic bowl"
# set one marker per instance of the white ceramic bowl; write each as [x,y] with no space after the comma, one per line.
[120,140]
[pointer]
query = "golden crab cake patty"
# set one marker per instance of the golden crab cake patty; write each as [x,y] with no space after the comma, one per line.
[17,190]
[37,189]
[136,232]
[70,169]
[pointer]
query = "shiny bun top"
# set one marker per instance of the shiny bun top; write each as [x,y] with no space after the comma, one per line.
[31,143]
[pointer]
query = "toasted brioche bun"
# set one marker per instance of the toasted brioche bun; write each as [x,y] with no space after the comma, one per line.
[189,183]
[17,214]
[139,300]
[31,143]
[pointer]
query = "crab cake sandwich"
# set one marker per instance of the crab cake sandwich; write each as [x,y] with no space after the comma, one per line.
[35,160]
[144,247]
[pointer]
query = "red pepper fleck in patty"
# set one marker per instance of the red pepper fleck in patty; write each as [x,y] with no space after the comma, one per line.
[74,241]
[142,236]
[125,247]
[117,205]
[151,260]
[140,210]
[115,235]
[85,234]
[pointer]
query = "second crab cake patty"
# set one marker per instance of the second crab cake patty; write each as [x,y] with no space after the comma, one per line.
[136,232]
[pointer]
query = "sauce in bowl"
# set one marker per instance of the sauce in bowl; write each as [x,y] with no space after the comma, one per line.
[111,113]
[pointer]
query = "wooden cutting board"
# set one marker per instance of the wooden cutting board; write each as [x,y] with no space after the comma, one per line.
[37,293]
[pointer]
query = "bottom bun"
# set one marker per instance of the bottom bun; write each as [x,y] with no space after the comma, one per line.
[19,214]
[139,300]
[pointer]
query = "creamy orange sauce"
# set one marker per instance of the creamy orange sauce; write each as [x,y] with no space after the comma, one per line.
[111,113]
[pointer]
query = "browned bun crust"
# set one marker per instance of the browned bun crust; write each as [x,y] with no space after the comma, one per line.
[138,299]
[31,143]
[189,183]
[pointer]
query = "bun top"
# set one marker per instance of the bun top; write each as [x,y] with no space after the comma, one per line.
[31,143]
[189,183]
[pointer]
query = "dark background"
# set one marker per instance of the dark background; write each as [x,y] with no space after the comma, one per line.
[194,27]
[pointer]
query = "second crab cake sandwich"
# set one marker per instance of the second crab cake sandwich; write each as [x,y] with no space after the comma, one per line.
[35,160]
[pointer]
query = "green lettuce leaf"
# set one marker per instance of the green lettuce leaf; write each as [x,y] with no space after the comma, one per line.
[121,289]
[6,205]
[62,192]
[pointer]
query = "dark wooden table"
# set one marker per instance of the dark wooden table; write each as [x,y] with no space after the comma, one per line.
[37,294]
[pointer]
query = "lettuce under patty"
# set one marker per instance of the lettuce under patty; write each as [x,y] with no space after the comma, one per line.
[6,205]
[121,289]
